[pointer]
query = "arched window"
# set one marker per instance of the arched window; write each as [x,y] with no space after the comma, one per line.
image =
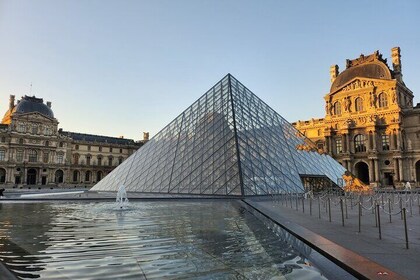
[383,100]
[358,104]
[87,176]
[59,176]
[75,176]
[47,143]
[2,175]
[360,143]
[33,156]
[337,108]
[99,176]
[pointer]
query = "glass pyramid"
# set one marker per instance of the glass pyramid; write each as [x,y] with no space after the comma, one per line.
[229,142]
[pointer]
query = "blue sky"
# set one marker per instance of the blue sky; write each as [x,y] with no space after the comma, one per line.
[123,67]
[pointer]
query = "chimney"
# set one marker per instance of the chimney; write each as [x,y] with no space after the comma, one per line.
[145,136]
[396,62]
[333,72]
[11,102]
[49,104]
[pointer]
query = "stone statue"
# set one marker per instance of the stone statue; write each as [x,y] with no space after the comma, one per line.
[347,104]
[372,100]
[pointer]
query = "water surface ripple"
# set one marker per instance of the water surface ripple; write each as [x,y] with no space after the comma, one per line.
[148,240]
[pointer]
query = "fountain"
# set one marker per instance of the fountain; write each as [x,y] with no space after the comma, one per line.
[122,199]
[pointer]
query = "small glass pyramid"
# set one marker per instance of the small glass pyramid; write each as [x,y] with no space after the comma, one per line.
[229,143]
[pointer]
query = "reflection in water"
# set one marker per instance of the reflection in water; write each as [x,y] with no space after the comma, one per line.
[147,240]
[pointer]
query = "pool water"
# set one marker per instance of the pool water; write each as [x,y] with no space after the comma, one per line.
[172,239]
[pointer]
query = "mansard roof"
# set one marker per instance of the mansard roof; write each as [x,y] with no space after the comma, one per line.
[29,104]
[372,66]
[97,138]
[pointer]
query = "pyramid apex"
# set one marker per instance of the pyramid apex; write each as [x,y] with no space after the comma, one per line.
[227,143]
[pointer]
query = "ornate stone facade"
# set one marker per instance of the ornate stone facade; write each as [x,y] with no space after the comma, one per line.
[370,124]
[33,151]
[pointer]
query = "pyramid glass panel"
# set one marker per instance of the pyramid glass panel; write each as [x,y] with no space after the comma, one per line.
[229,142]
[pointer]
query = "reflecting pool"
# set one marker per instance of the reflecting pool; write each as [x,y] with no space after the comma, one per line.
[147,240]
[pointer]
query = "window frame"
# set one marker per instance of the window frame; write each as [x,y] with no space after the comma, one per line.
[360,143]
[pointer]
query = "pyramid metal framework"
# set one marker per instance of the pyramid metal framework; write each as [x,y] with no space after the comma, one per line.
[229,142]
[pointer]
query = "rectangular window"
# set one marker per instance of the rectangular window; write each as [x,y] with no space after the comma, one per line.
[110,161]
[338,146]
[88,160]
[19,155]
[385,142]
[99,161]
[110,149]
[60,159]
[2,155]
[33,156]
[21,127]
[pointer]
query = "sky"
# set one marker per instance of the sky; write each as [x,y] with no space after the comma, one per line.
[120,68]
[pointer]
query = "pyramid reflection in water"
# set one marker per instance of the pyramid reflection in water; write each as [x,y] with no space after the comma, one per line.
[229,142]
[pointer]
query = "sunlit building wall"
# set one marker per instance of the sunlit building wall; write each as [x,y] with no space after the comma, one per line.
[370,126]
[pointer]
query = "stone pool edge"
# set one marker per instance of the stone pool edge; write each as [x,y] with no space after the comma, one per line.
[356,265]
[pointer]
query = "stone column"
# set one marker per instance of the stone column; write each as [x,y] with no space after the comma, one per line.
[395,140]
[396,170]
[23,180]
[371,171]
[400,167]
[39,176]
[374,141]
[399,140]
[392,140]
[9,175]
[330,145]
[344,143]
[412,170]
[349,144]
[376,170]
[349,166]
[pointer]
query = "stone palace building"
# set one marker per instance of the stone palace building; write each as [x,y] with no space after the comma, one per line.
[33,151]
[370,126]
